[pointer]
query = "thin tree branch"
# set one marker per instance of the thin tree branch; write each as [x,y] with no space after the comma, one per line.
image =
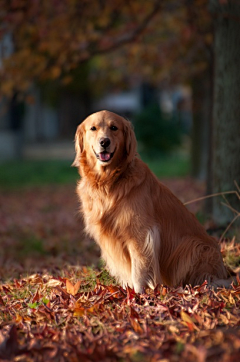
[128,38]
[213,195]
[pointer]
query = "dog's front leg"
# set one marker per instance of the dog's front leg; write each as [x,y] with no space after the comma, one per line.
[145,268]
[139,270]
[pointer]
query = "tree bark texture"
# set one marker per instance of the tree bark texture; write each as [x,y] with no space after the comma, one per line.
[201,106]
[226,107]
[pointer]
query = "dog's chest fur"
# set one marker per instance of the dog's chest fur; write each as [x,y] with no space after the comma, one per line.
[103,215]
[107,221]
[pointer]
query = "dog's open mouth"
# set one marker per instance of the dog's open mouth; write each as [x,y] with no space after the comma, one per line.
[104,156]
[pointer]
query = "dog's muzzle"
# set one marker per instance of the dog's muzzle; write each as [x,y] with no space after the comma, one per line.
[104,156]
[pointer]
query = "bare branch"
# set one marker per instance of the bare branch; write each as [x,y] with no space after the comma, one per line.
[130,37]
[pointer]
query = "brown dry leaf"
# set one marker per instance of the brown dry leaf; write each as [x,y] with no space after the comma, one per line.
[224,319]
[72,289]
[35,279]
[18,318]
[231,299]
[93,309]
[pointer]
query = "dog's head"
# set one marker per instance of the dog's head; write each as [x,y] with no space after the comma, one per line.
[105,139]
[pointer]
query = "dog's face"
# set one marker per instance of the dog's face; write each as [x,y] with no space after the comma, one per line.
[105,139]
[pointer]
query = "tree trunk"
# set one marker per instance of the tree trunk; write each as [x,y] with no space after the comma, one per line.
[226,107]
[201,106]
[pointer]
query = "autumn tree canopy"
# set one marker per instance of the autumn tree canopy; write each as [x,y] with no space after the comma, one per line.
[50,39]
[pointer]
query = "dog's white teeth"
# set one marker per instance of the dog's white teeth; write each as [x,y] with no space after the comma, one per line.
[104,156]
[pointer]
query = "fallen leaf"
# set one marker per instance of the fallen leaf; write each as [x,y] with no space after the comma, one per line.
[72,289]
[188,321]
[136,326]
[53,283]
[36,297]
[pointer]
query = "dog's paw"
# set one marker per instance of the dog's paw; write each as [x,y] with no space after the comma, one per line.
[138,288]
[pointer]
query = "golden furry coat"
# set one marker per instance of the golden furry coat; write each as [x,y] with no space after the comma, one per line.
[146,235]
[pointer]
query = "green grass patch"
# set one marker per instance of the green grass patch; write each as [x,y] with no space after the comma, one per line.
[27,173]
[31,246]
[92,276]
[174,165]
[36,173]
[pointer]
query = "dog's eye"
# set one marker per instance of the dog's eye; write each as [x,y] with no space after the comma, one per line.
[113,128]
[93,128]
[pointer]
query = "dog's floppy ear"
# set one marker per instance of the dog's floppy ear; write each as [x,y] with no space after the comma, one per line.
[130,140]
[79,146]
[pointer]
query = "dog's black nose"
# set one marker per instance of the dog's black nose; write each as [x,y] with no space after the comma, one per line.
[104,142]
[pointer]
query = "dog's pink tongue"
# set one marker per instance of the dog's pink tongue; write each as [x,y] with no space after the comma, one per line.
[104,156]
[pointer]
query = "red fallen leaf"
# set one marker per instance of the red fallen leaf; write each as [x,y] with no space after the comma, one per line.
[1,301]
[36,297]
[130,295]
[133,313]
[6,289]
[115,291]
[190,326]
[136,326]
[238,278]
[198,318]
[119,328]
[72,289]
[188,321]
[17,284]
[156,290]
[201,288]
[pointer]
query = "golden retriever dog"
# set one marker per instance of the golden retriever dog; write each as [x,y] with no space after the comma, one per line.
[146,235]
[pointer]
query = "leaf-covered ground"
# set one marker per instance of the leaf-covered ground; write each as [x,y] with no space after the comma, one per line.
[57,304]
